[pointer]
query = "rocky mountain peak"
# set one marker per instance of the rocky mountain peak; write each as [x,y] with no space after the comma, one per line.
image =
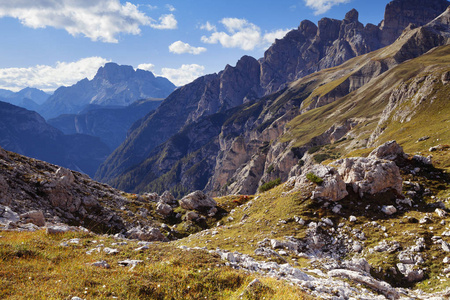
[114,73]
[308,29]
[400,13]
[352,16]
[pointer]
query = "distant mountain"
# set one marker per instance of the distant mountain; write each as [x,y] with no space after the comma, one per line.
[166,150]
[27,133]
[109,124]
[112,85]
[29,98]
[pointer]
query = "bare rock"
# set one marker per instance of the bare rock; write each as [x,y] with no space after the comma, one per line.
[332,188]
[65,176]
[101,264]
[389,151]
[167,198]
[369,175]
[388,209]
[191,216]
[146,234]
[423,160]
[384,287]
[163,209]
[35,216]
[196,201]
[7,215]
[411,273]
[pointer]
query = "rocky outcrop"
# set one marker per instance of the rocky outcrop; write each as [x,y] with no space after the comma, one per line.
[329,185]
[197,201]
[370,176]
[112,85]
[400,13]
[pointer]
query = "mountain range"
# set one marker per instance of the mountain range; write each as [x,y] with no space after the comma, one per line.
[29,98]
[233,131]
[113,85]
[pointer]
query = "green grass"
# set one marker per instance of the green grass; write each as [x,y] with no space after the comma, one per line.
[35,266]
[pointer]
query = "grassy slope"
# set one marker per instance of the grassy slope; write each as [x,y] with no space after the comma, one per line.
[367,103]
[35,266]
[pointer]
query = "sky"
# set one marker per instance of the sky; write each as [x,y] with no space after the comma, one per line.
[51,43]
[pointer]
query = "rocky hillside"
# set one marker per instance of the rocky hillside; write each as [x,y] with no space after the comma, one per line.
[111,125]
[372,227]
[240,149]
[27,133]
[112,85]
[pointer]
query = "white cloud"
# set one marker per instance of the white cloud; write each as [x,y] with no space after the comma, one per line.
[100,20]
[242,34]
[166,22]
[184,75]
[208,26]
[322,6]
[49,78]
[146,67]
[170,7]
[179,47]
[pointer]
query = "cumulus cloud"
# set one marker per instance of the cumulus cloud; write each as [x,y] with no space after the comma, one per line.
[146,67]
[100,20]
[208,26]
[184,75]
[322,6]
[179,47]
[166,22]
[242,34]
[49,78]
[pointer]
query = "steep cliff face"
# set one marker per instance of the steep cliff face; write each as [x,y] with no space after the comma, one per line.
[400,13]
[205,96]
[264,139]
[112,85]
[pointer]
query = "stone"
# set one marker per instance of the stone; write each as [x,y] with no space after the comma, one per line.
[384,287]
[332,188]
[129,262]
[163,209]
[65,176]
[446,260]
[101,264]
[441,213]
[197,201]
[35,216]
[388,209]
[370,175]
[146,234]
[423,160]
[167,198]
[191,216]
[7,215]
[411,273]
[445,246]
[110,250]
[352,219]
[389,151]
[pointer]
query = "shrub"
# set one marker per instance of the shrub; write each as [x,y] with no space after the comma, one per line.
[269,185]
[318,158]
[314,178]
[270,169]
[314,149]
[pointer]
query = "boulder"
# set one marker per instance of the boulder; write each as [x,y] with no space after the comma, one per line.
[65,176]
[163,209]
[411,273]
[370,175]
[191,216]
[35,216]
[389,151]
[332,188]
[167,198]
[389,209]
[196,201]
[146,234]
[7,215]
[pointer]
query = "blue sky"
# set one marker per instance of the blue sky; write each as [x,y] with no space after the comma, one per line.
[50,43]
